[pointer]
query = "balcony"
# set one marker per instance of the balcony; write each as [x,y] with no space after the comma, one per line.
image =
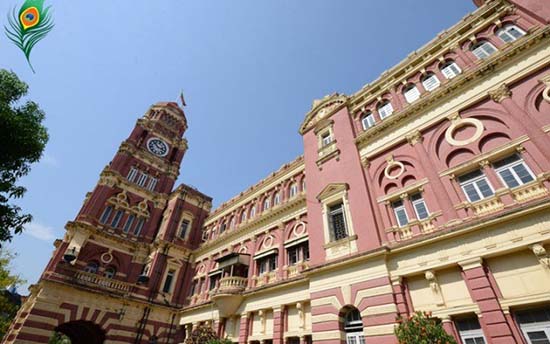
[487,206]
[528,192]
[231,285]
[94,280]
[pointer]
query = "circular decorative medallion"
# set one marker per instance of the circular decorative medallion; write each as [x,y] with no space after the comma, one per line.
[106,258]
[394,165]
[546,93]
[157,147]
[299,228]
[268,242]
[461,123]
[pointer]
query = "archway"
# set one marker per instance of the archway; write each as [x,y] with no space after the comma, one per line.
[352,325]
[82,332]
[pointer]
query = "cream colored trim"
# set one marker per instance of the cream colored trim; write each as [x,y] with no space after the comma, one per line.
[379,330]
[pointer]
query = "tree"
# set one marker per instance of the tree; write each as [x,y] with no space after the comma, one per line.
[422,328]
[22,141]
[201,335]
[8,305]
[59,338]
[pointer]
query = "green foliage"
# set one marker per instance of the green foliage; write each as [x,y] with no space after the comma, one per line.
[8,309]
[421,328]
[22,141]
[202,335]
[220,341]
[59,338]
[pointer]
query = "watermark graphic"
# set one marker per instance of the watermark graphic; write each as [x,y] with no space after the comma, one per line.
[29,25]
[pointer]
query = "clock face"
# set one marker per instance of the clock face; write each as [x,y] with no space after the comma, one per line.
[157,147]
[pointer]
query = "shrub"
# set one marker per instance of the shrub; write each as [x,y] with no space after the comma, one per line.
[422,328]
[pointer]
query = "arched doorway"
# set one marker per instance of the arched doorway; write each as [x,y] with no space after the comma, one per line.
[353,326]
[82,332]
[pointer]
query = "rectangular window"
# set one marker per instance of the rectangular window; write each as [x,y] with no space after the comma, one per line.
[535,325]
[168,281]
[326,139]
[400,213]
[419,206]
[337,222]
[451,70]
[106,214]
[385,111]
[132,174]
[267,264]
[117,218]
[222,227]
[431,83]
[470,332]
[214,280]
[139,226]
[184,227]
[513,171]
[142,179]
[484,50]
[475,186]
[152,183]
[128,223]
[305,252]
[293,255]
[411,94]
[368,121]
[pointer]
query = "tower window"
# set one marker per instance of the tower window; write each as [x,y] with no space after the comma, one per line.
[116,219]
[411,94]
[110,272]
[510,33]
[326,139]
[132,174]
[142,179]
[430,82]
[337,222]
[385,110]
[139,226]
[106,214]
[222,227]
[483,49]
[152,183]
[475,186]
[367,121]
[400,213]
[168,281]
[513,171]
[450,69]
[129,223]
[184,228]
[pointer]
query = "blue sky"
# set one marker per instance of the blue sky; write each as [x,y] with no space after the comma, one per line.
[249,69]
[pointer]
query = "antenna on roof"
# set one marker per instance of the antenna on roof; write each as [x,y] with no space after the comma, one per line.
[182,99]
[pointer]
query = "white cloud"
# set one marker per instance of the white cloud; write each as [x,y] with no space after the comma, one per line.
[49,160]
[39,231]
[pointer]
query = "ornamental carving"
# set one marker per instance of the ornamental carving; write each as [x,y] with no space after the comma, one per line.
[500,93]
[458,123]
[415,138]
[393,165]
[322,109]
[546,91]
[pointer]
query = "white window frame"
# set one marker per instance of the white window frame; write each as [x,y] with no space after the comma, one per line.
[535,327]
[355,338]
[152,183]
[509,167]
[484,49]
[253,212]
[243,216]
[471,334]
[474,181]
[505,32]
[325,138]
[418,201]
[139,226]
[431,82]
[106,215]
[119,214]
[396,210]
[142,179]
[451,69]
[129,223]
[132,174]
[267,204]
[277,199]
[411,94]
[172,272]
[187,230]
[368,121]
[293,190]
[385,110]
[330,222]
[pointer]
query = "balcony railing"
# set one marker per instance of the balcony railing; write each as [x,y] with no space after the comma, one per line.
[529,192]
[95,280]
[487,206]
[232,285]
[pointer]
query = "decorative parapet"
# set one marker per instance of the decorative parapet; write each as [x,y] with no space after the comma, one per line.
[530,191]
[487,206]
[95,281]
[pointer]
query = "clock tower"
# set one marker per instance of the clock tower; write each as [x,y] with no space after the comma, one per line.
[122,270]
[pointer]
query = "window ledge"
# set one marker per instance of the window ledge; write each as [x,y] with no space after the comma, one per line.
[341,241]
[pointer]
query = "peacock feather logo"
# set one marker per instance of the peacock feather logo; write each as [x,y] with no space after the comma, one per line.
[29,25]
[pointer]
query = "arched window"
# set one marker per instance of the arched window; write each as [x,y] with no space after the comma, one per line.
[293,190]
[450,69]
[411,93]
[510,33]
[353,327]
[277,199]
[267,203]
[110,272]
[222,227]
[253,211]
[243,216]
[367,120]
[483,49]
[430,82]
[232,223]
[92,267]
[385,109]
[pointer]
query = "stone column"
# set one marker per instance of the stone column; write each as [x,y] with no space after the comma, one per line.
[252,267]
[278,325]
[503,96]
[449,327]
[244,328]
[281,253]
[375,206]
[495,325]
[401,297]
[441,194]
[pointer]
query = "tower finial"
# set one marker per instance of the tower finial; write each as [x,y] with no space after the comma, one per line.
[182,99]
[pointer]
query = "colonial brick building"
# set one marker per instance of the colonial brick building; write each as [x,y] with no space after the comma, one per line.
[425,190]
